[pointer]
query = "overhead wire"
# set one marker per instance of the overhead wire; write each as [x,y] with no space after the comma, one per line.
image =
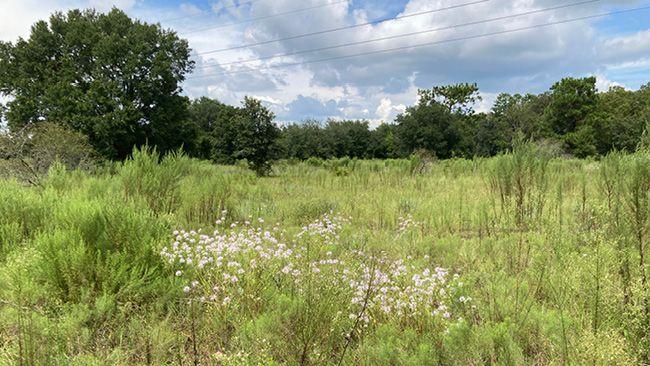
[331,30]
[402,35]
[426,44]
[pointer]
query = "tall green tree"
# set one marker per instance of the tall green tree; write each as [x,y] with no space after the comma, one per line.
[619,120]
[382,142]
[516,116]
[115,79]
[305,140]
[572,100]
[348,138]
[429,125]
[572,103]
[458,98]
[256,136]
[216,131]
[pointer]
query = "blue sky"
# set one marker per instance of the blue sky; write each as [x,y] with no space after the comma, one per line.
[379,86]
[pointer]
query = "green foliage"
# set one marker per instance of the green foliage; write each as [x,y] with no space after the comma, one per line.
[33,150]
[256,136]
[644,142]
[429,125]
[520,181]
[305,141]
[229,134]
[555,278]
[458,98]
[112,78]
[518,116]
[337,139]
[217,136]
[348,138]
[156,180]
[572,100]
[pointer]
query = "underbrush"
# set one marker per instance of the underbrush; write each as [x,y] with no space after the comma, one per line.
[519,259]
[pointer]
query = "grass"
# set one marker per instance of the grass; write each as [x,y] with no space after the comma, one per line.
[540,261]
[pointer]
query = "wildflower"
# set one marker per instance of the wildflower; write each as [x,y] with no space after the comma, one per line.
[179,273]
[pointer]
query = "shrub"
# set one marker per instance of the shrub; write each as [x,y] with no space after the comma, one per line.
[520,181]
[156,180]
[31,151]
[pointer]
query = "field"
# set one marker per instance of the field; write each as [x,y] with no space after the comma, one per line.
[512,260]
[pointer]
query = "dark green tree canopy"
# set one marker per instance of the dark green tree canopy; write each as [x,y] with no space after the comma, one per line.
[227,134]
[305,140]
[429,125]
[256,135]
[216,133]
[458,98]
[572,100]
[112,78]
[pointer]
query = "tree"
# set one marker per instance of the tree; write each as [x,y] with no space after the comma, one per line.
[517,116]
[112,78]
[572,100]
[458,98]
[428,125]
[306,140]
[216,133]
[382,142]
[618,120]
[256,136]
[32,150]
[348,138]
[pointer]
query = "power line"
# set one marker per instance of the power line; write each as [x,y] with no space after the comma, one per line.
[402,35]
[485,35]
[410,15]
[250,20]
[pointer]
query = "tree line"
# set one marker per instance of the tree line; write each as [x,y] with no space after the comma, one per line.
[117,81]
[572,118]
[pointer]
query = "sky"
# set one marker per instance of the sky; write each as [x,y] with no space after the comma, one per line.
[379,84]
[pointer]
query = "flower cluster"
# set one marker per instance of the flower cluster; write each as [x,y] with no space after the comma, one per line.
[327,227]
[216,265]
[229,266]
[406,223]
[393,288]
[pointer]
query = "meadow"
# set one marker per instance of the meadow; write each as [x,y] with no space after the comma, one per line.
[519,259]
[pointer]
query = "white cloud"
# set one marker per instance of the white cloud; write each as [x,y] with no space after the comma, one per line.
[518,62]
[485,104]
[16,17]
[104,5]
[377,87]
[603,84]
[627,47]
[190,9]
[386,111]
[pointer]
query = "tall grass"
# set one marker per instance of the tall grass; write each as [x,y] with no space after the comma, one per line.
[520,180]
[551,258]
